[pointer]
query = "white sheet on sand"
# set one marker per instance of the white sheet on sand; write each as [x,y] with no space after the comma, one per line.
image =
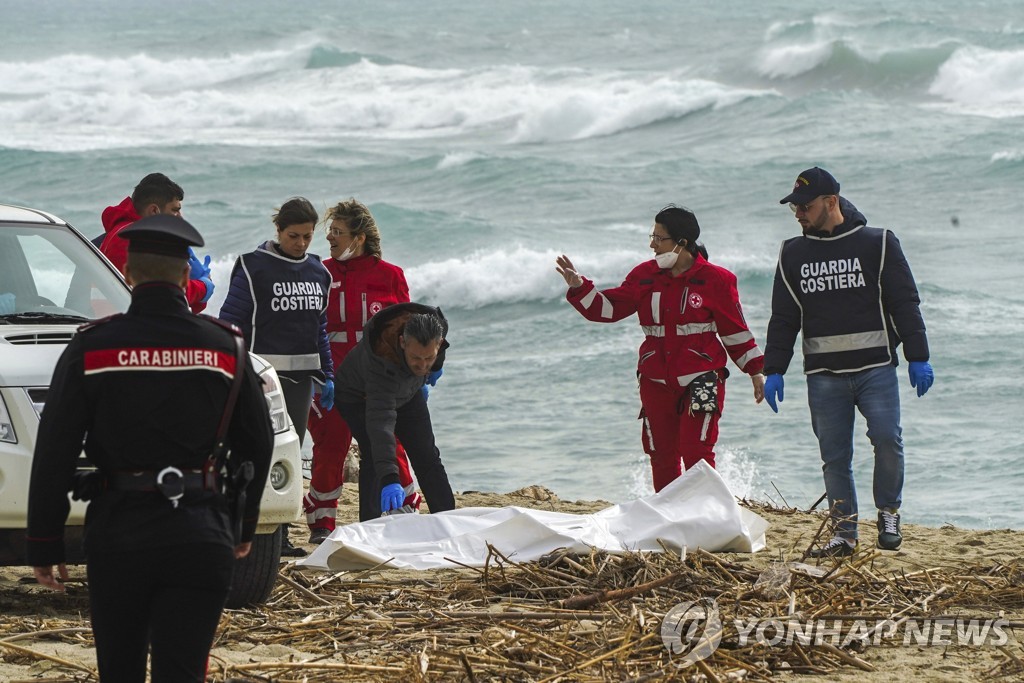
[697,510]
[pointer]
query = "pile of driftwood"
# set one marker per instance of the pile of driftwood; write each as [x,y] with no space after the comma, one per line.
[570,617]
[602,617]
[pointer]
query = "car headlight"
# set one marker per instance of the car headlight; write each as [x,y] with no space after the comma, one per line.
[6,425]
[275,401]
[279,476]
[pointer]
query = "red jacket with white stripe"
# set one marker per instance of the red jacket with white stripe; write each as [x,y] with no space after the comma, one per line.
[360,287]
[115,248]
[691,321]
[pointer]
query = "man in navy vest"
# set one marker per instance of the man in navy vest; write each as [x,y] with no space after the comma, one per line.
[849,289]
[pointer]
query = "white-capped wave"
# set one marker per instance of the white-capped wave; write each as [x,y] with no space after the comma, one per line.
[81,102]
[988,82]
[788,61]
[855,53]
[141,73]
[855,63]
[593,106]
[456,159]
[1008,155]
[519,274]
[514,275]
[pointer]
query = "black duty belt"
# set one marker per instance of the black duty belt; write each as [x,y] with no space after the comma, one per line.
[172,482]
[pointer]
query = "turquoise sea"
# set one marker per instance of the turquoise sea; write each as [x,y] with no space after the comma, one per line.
[488,137]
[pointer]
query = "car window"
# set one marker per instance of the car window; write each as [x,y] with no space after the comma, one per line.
[49,269]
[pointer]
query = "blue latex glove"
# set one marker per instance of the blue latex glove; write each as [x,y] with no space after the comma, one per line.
[198,269]
[773,387]
[431,382]
[391,497]
[209,288]
[921,376]
[327,395]
[6,303]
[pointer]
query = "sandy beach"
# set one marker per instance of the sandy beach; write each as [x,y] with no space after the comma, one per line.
[442,625]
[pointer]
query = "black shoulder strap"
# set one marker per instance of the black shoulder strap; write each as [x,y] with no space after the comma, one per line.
[220,448]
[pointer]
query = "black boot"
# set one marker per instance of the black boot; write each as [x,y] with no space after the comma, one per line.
[287,549]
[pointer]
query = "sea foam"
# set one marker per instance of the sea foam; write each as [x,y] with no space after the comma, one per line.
[312,93]
[987,82]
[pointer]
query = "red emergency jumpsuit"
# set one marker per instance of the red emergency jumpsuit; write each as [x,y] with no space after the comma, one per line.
[360,287]
[115,248]
[690,322]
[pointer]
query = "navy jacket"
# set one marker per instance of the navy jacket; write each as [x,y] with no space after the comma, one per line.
[851,294]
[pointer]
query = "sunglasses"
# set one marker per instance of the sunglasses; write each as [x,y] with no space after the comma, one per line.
[796,208]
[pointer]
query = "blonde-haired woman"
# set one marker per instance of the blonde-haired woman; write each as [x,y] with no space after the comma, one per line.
[362,284]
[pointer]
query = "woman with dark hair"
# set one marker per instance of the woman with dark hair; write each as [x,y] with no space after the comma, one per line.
[278,297]
[689,310]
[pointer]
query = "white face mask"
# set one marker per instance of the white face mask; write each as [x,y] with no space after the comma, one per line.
[668,259]
[347,254]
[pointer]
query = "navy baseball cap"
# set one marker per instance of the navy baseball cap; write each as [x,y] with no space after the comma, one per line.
[812,183]
[163,234]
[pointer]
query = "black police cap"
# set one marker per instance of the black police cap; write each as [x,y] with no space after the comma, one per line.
[163,234]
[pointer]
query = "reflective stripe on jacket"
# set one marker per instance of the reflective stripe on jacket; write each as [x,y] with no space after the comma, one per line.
[360,287]
[852,296]
[691,322]
[280,305]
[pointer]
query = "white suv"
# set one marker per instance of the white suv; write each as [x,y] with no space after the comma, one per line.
[52,280]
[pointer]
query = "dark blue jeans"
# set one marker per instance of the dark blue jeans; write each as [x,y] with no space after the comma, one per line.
[832,399]
[414,430]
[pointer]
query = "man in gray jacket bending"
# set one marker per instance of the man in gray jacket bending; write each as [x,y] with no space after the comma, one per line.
[379,393]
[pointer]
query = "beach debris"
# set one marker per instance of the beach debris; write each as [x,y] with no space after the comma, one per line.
[535,492]
[570,617]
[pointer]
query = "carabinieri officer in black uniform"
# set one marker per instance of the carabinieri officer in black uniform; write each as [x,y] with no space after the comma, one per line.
[147,391]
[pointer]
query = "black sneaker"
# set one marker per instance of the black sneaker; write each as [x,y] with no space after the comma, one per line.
[287,549]
[836,547]
[889,536]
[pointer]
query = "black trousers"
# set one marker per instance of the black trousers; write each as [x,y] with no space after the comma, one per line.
[298,396]
[416,433]
[167,598]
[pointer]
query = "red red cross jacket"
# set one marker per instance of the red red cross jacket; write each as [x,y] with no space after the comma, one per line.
[360,287]
[115,248]
[689,321]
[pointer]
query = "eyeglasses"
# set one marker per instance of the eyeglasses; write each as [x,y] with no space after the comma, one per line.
[797,208]
[334,232]
[658,239]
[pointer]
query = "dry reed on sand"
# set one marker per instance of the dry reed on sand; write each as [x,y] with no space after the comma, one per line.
[569,617]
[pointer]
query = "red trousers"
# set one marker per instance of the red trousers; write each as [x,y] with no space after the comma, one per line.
[671,436]
[331,441]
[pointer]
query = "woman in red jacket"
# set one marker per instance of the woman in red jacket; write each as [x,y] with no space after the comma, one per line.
[689,310]
[362,284]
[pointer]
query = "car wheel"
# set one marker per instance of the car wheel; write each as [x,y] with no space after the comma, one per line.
[256,573]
